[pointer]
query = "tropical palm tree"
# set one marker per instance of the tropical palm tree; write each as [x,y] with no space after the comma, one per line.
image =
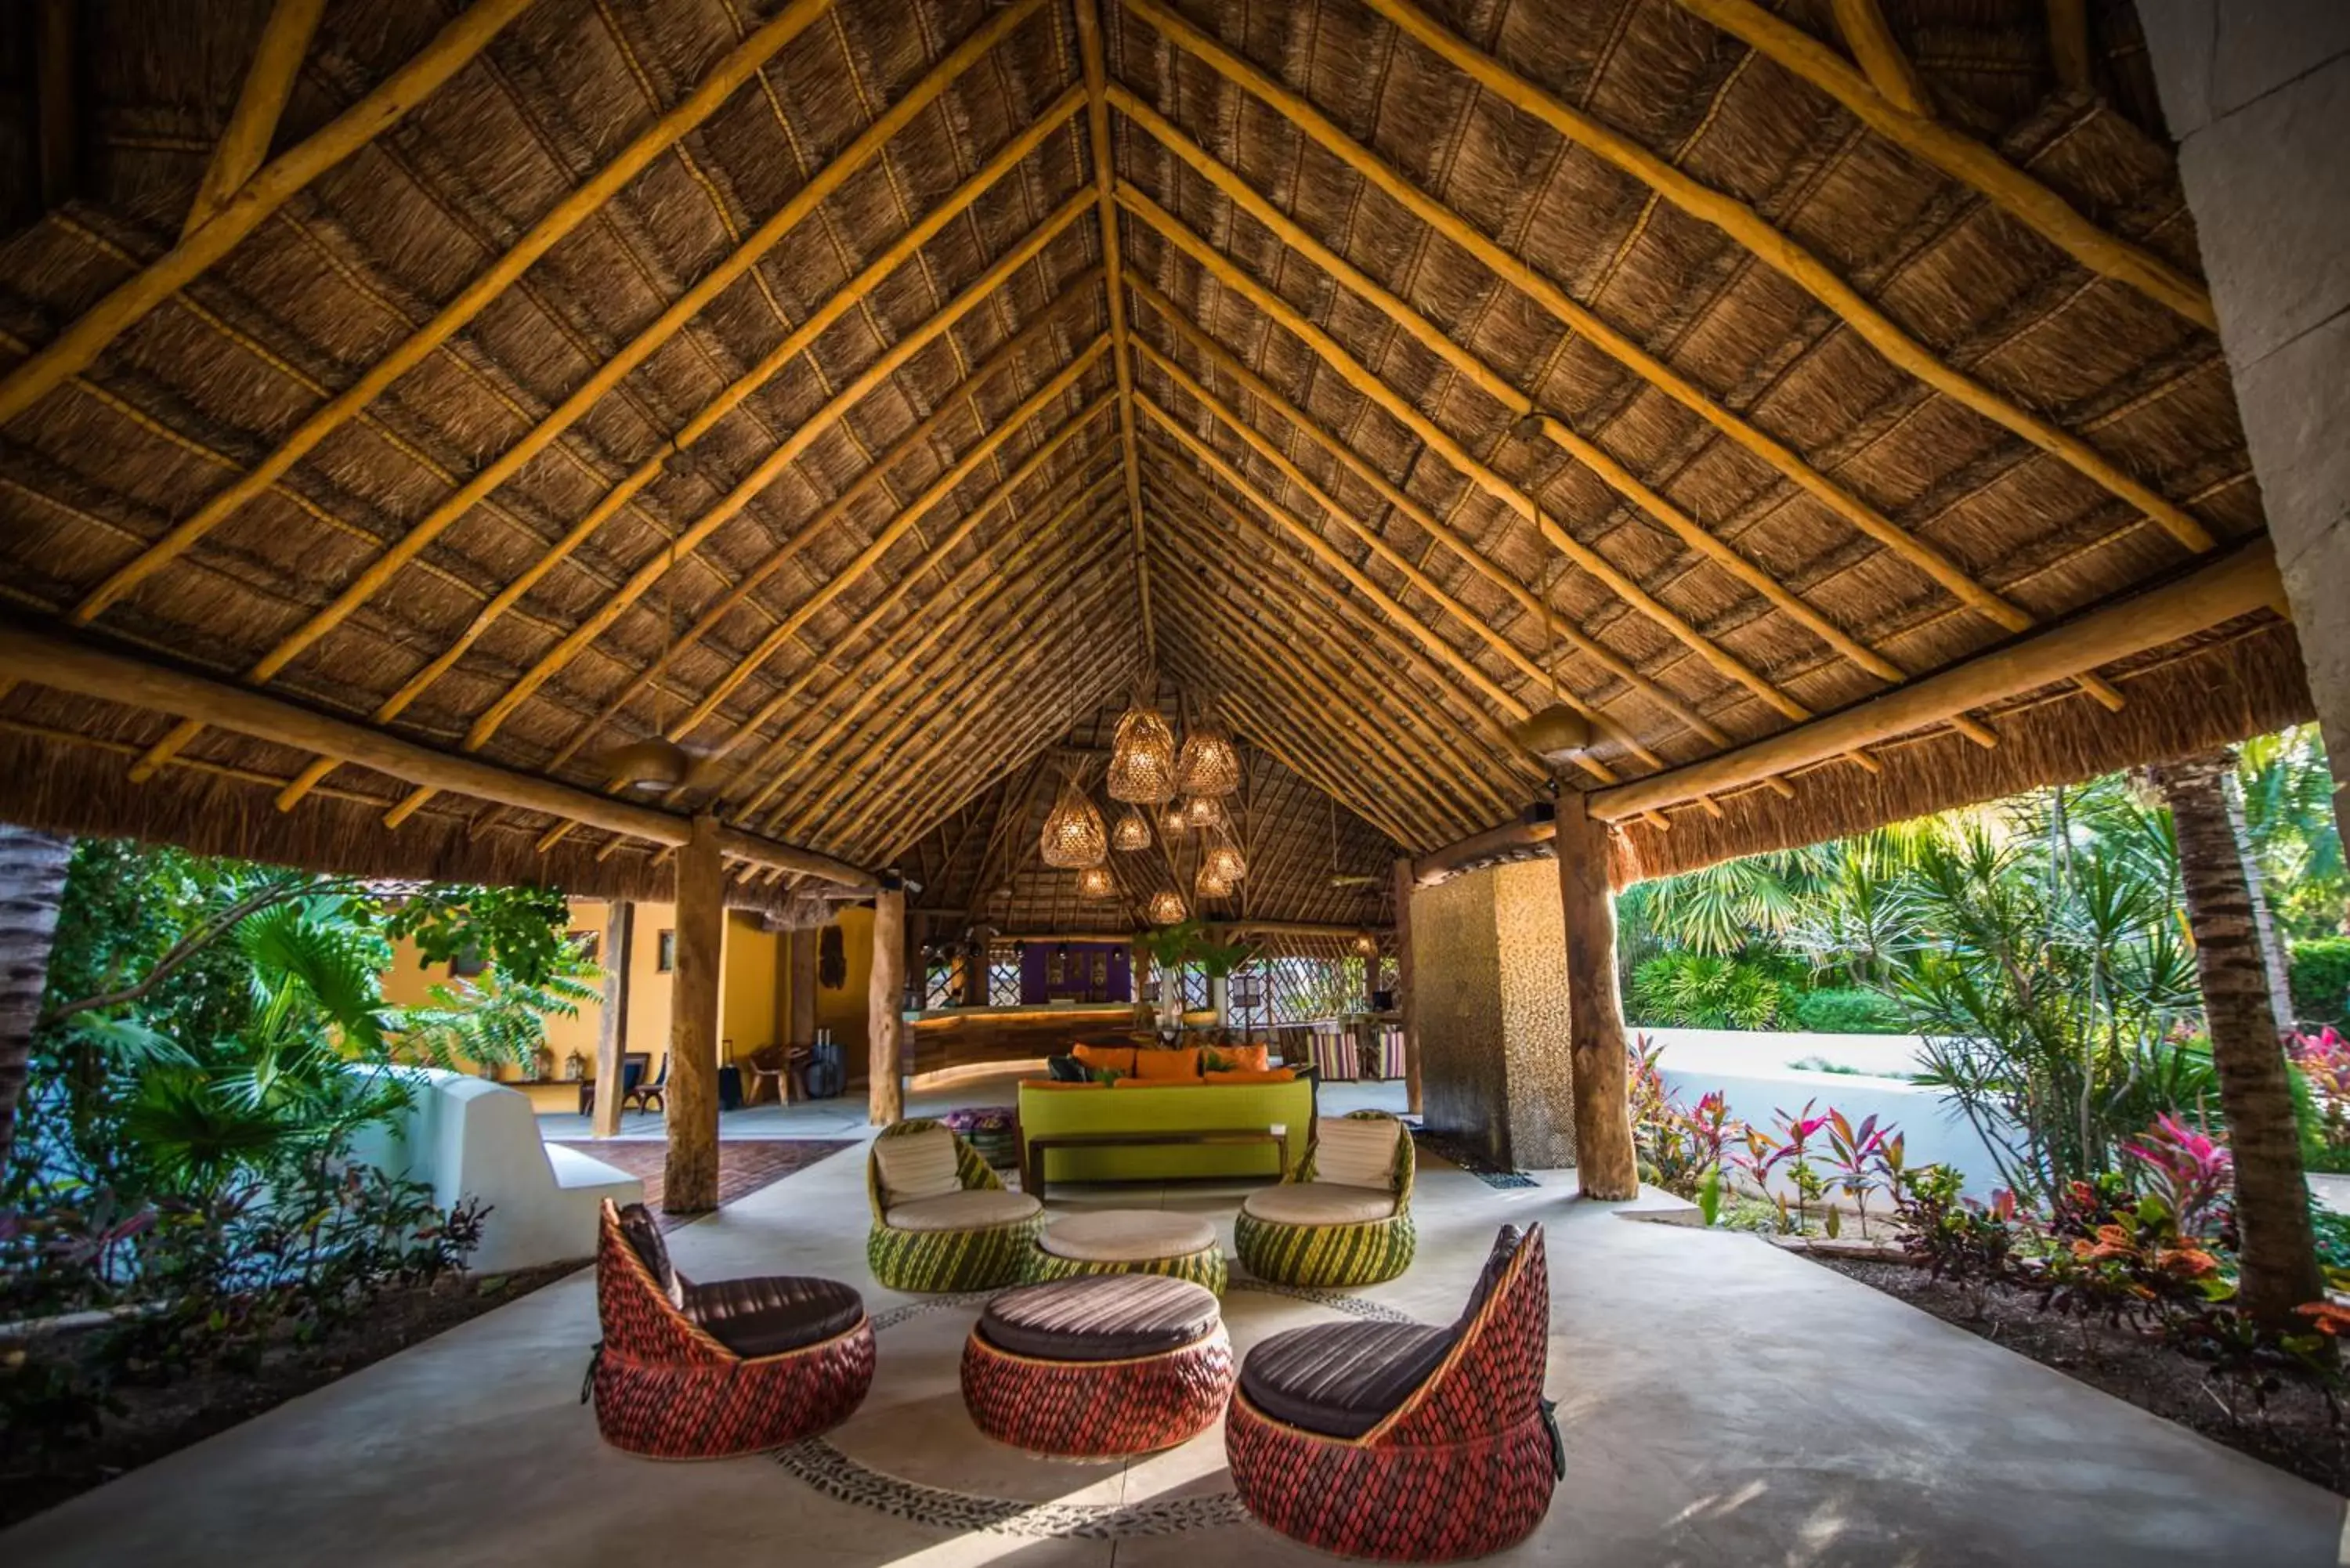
[32,887]
[2278,1257]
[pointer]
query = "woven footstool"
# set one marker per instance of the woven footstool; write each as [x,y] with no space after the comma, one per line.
[1129,1242]
[1099,1366]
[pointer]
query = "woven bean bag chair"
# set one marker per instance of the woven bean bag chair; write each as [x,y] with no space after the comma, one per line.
[941,1219]
[1099,1366]
[1402,1442]
[689,1371]
[1342,1217]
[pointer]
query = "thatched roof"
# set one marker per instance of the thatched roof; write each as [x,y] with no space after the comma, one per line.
[804,382]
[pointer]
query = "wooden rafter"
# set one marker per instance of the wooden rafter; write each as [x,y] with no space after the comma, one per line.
[575,406]
[1789,257]
[253,124]
[1611,470]
[1890,72]
[277,182]
[1368,383]
[1980,168]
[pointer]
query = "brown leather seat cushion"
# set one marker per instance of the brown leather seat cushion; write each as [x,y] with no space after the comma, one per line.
[1103,1317]
[1341,1378]
[767,1316]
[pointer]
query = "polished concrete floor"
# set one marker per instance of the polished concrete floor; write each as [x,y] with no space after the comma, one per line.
[1722,1403]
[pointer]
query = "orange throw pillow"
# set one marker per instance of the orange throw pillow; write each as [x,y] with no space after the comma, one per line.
[1180,1065]
[1257,1076]
[1097,1057]
[1245,1058]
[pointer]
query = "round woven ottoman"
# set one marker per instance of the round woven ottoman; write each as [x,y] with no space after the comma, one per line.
[1099,1366]
[1129,1242]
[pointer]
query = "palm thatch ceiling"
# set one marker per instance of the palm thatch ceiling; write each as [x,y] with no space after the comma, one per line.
[407,403]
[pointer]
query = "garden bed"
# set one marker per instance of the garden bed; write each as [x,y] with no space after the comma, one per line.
[163,1416]
[2299,1430]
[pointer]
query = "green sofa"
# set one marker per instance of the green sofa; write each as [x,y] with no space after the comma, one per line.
[1049,1109]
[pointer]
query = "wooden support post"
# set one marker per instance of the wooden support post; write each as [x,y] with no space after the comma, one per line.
[1404,884]
[885,1095]
[1604,1166]
[804,944]
[612,1038]
[691,1183]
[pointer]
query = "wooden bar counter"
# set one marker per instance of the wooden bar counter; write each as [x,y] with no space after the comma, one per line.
[950,1037]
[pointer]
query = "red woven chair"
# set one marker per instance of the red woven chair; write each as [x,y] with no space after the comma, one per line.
[1402,1442]
[691,1371]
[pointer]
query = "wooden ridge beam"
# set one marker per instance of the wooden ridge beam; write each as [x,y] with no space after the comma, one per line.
[493,475]
[48,659]
[1516,273]
[1089,55]
[1911,127]
[2237,584]
[1353,618]
[1065,556]
[1791,259]
[1617,474]
[244,143]
[1373,540]
[1323,643]
[867,680]
[1224,360]
[275,183]
[1440,442]
[858,676]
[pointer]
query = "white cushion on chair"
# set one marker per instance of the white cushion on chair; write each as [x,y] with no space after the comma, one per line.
[1357,1151]
[1318,1203]
[918,1165]
[972,1208]
[1128,1236]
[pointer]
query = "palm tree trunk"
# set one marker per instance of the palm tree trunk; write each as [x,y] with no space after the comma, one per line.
[2279,1256]
[32,886]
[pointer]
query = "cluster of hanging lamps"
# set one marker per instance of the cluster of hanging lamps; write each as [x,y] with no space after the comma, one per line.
[1095,882]
[1132,832]
[1142,757]
[1073,836]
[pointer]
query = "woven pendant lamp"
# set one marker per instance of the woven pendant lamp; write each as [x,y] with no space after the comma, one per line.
[1132,831]
[1074,836]
[1166,906]
[1201,810]
[1142,757]
[1209,766]
[1208,884]
[1224,862]
[1172,823]
[1095,882]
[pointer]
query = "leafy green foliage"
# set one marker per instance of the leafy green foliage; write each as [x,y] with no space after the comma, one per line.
[2321,980]
[2289,819]
[1847,1010]
[1707,990]
[519,932]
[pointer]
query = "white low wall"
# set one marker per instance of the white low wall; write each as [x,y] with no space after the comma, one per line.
[468,1138]
[1750,1071]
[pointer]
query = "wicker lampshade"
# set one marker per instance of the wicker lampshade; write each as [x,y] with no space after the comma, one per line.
[1074,835]
[1208,884]
[1172,823]
[1132,831]
[1208,764]
[1095,882]
[1367,944]
[1224,862]
[1166,906]
[1143,758]
[1201,810]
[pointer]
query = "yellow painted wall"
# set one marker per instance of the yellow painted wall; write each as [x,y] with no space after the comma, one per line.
[406,984]
[648,988]
[750,986]
[843,1010]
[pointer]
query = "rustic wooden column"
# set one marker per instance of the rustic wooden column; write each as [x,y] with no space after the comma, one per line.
[1605,1165]
[885,1095]
[690,1185]
[612,1038]
[802,985]
[1404,884]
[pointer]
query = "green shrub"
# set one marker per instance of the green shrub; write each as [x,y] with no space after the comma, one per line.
[2321,980]
[1701,991]
[1838,1011]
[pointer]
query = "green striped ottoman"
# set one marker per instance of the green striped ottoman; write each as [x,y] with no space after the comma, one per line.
[1129,1242]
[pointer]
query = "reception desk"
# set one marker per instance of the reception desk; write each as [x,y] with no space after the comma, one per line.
[946,1038]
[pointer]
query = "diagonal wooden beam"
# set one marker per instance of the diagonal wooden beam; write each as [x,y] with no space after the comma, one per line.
[1368,383]
[1089,52]
[1405,567]
[1872,43]
[253,124]
[2069,56]
[576,405]
[277,182]
[1613,472]
[1791,260]
[1981,169]
[1515,272]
